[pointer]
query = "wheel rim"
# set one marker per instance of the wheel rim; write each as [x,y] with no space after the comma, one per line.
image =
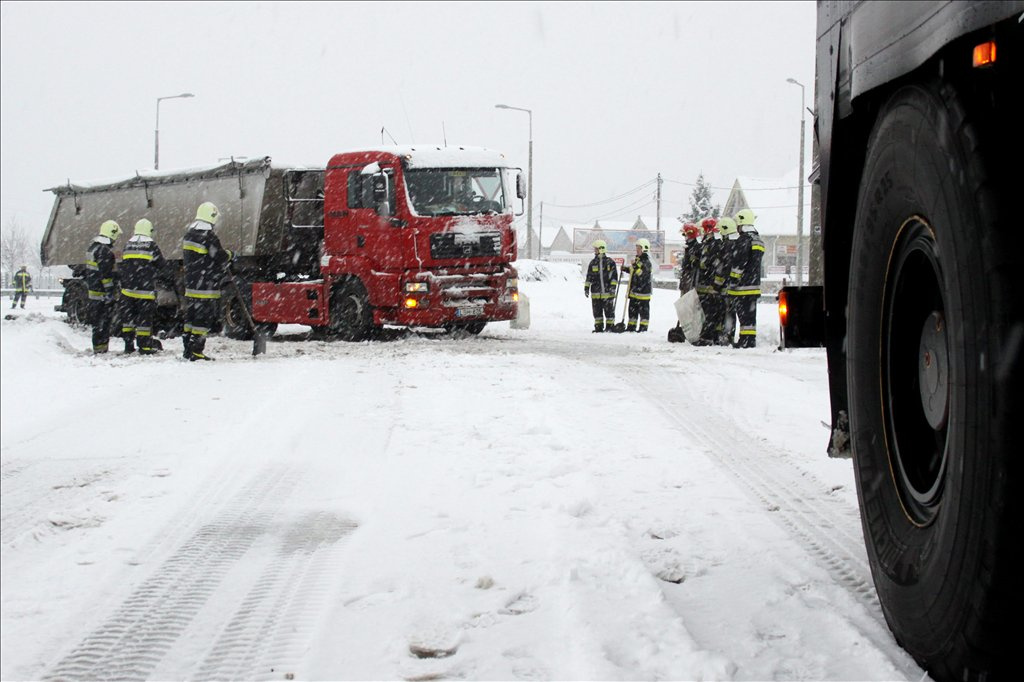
[916,371]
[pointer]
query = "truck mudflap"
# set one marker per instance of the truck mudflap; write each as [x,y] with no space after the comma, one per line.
[801,317]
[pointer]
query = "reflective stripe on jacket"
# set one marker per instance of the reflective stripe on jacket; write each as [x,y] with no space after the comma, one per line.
[602,277]
[641,278]
[99,269]
[141,262]
[205,261]
[745,271]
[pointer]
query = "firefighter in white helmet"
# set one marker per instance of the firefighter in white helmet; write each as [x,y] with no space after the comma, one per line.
[205,268]
[641,280]
[141,264]
[600,285]
[99,278]
[744,286]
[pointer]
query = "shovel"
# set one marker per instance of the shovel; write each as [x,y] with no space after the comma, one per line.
[259,336]
[620,327]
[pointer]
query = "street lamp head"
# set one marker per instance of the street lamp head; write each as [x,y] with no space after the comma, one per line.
[502,106]
[186,94]
[792,80]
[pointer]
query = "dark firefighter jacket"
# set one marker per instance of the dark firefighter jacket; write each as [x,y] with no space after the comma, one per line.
[690,265]
[141,262]
[99,269]
[22,281]
[745,274]
[205,261]
[602,277]
[641,278]
[724,266]
[709,264]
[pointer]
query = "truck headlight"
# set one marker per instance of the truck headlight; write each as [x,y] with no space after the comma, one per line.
[512,283]
[418,287]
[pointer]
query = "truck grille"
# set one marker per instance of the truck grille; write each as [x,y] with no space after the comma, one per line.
[459,245]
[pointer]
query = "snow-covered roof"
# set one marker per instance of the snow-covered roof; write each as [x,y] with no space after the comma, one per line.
[774,202]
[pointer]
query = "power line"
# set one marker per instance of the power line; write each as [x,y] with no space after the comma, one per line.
[604,201]
[753,189]
[640,204]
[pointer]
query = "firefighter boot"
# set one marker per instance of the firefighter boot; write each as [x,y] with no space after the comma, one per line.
[129,344]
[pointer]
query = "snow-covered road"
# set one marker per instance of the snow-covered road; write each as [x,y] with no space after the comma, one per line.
[530,504]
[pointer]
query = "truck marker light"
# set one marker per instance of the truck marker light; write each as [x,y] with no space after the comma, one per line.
[515,297]
[411,302]
[783,310]
[985,54]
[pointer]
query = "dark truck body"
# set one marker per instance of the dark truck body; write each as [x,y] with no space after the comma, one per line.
[919,142]
[340,248]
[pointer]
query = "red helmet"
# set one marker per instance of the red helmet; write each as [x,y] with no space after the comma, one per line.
[710,225]
[690,231]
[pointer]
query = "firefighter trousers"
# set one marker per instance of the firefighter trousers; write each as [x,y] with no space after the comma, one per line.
[200,316]
[714,316]
[746,313]
[101,312]
[137,315]
[604,312]
[639,314]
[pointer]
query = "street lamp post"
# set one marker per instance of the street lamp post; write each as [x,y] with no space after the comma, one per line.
[156,131]
[529,181]
[800,193]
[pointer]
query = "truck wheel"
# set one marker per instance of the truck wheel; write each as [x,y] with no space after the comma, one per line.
[235,324]
[466,328]
[933,378]
[76,304]
[351,314]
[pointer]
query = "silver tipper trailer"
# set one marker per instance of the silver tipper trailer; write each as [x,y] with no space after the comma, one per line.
[271,216]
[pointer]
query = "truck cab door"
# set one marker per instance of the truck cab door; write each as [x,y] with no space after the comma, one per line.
[376,233]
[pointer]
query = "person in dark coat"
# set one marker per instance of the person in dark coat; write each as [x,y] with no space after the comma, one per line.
[22,285]
[600,285]
[641,281]
[141,263]
[745,278]
[708,268]
[730,236]
[206,264]
[690,265]
[99,277]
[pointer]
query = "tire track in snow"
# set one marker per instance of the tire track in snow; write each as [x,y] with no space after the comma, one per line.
[269,631]
[827,528]
[130,644]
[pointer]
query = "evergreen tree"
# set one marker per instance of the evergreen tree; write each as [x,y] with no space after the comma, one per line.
[700,203]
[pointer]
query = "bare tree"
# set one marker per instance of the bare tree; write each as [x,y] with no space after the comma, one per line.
[14,248]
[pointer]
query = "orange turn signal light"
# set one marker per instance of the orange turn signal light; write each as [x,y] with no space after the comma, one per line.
[783,310]
[411,302]
[985,54]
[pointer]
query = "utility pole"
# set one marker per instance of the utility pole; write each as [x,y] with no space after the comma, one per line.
[540,237]
[658,219]
[800,193]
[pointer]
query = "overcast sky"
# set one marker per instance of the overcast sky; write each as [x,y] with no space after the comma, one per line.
[619,91]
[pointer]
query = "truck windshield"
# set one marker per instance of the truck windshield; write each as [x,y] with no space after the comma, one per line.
[455,191]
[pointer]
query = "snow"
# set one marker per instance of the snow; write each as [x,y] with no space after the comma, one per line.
[527,504]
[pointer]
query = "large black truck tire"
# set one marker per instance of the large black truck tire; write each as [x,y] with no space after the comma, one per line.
[351,314]
[934,355]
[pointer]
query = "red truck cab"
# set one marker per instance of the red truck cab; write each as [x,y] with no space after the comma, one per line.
[413,237]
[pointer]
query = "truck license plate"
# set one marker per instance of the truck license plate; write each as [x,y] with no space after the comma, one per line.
[469,311]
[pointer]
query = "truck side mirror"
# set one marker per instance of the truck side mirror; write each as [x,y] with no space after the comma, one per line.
[381,195]
[520,186]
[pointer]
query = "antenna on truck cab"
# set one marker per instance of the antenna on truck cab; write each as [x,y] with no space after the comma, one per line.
[385,130]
